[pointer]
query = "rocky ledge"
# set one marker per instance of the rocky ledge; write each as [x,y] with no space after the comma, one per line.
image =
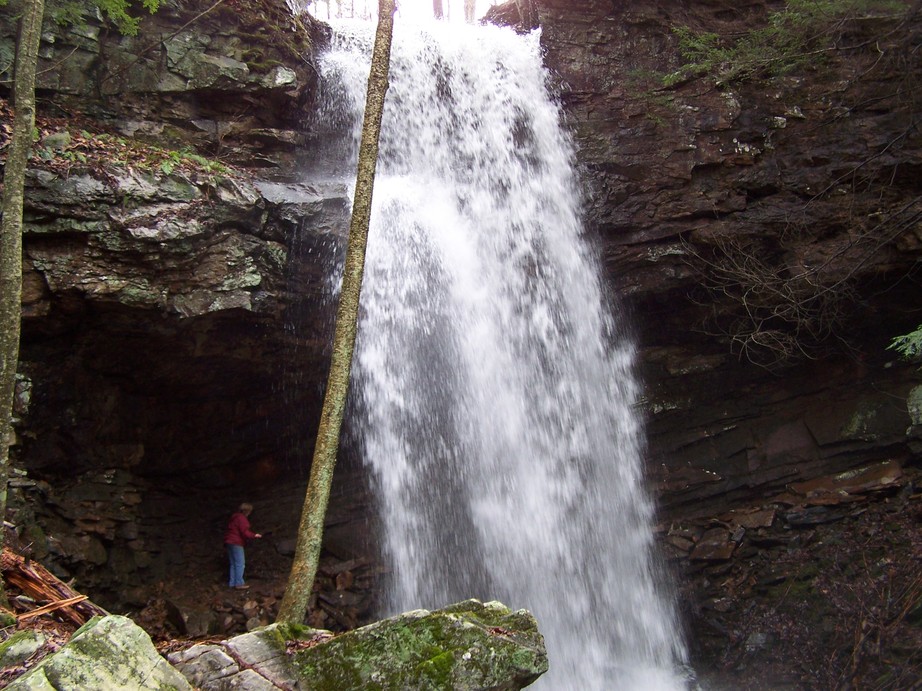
[469,646]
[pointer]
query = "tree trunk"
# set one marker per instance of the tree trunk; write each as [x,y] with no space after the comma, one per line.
[310,529]
[528,14]
[438,10]
[469,8]
[14,177]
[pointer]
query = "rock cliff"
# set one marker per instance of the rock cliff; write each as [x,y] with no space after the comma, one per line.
[172,354]
[763,234]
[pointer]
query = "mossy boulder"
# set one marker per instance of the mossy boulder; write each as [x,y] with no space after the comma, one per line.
[20,646]
[107,653]
[467,646]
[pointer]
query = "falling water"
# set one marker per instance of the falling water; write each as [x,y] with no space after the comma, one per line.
[495,392]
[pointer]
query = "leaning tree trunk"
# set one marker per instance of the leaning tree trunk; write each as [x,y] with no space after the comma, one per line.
[310,529]
[14,177]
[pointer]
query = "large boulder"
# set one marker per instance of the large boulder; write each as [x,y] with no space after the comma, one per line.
[467,646]
[107,653]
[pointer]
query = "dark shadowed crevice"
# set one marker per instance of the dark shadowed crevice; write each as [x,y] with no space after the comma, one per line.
[153,430]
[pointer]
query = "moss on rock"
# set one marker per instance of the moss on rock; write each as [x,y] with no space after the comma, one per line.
[20,646]
[470,645]
[105,653]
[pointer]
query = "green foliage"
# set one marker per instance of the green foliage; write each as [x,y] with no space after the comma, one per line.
[117,11]
[173,159]
[908,345]
[67,13]
[800,34]
[73,12]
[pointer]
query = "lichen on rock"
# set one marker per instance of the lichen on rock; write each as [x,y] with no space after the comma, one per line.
[106,653]
[465,647]
[469,645]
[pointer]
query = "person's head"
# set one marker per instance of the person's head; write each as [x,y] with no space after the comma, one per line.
[245,508]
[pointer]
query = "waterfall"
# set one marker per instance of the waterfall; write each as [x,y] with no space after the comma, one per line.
[493,386]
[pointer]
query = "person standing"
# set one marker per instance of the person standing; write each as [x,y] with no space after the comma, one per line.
[236,536]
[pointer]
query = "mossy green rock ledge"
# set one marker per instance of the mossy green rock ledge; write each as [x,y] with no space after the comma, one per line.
[106,653]
[467,646]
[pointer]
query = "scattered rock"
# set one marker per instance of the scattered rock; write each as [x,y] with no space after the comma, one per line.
[813,515]
[840,487]
[757,641]
[56,140]
[715,545]
[753,518]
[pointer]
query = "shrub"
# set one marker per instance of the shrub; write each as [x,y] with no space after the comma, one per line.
[803,33]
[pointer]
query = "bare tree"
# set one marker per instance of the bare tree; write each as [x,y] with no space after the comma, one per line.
[438,11]
[528,14]
[310,529]
[778,303]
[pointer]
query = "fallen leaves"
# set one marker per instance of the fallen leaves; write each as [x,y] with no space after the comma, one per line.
[291,647]
[65,144]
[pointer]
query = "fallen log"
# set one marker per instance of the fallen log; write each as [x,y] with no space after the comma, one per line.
[40,584]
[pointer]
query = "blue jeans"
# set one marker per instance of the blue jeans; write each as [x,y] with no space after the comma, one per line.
[237,562]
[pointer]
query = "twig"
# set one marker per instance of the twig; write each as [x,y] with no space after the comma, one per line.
[51,607]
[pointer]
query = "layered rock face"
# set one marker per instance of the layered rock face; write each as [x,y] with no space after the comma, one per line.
[176,309]
[764,235]
[761,234]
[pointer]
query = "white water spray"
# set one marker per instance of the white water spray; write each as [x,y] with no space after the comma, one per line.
[495,392]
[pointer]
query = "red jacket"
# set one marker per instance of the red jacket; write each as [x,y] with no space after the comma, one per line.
[238,530]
